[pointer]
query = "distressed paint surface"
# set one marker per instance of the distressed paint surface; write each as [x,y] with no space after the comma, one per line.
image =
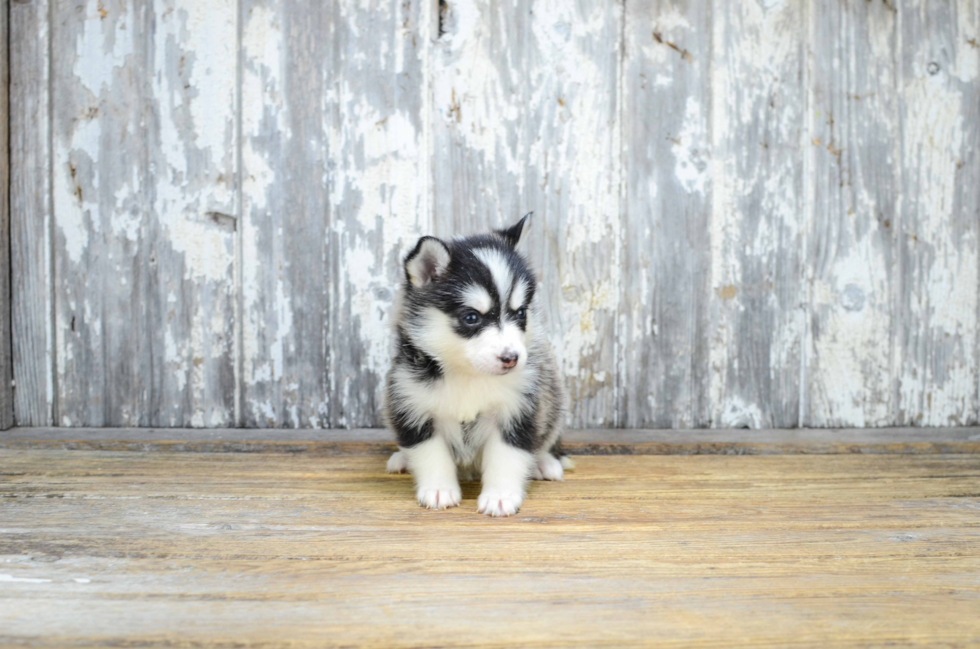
[6,360]
[756,231]
[667,177]
[334,194]
[939,213]
[851,157]
[30,215]
[754,215]
[526,118]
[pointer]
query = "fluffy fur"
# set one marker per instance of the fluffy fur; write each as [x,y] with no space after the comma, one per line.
[473,385]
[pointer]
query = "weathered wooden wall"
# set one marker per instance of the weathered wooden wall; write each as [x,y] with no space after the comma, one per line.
[759,214]
[6,361]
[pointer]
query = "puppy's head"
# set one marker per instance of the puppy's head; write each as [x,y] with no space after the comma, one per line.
[468,301]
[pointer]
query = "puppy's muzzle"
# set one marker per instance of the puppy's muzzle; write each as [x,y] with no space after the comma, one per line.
[508,359]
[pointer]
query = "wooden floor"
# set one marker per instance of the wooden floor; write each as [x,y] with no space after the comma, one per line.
[255,550]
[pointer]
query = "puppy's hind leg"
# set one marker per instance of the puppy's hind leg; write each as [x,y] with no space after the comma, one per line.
[547,467]
[397,463]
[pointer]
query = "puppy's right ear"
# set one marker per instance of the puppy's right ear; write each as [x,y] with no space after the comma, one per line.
[426,262]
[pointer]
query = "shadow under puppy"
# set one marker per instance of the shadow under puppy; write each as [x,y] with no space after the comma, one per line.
[473,384]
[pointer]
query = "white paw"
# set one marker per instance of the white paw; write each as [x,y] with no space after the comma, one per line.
[548,467]
[439,498]
[498,502]
[397,463]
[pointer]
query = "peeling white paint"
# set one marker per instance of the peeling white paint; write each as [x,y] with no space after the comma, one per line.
[535,122]
[690,150]
[102,47]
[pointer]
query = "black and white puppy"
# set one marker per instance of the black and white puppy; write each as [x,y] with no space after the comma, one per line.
[473,383]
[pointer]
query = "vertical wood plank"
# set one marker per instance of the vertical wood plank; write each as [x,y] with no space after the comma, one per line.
[757,291]
[30,247]
[378,184]
[6,362]
[479,102]
[853,125]
[526,118]
[939,213]
[666,265]
[335,192]
[191,198]
[98,154]
[571,178]
[143,175]
[286,284]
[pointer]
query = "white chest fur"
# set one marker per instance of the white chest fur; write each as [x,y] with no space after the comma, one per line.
[460,398]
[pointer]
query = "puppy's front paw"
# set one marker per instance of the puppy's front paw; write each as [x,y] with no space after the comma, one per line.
[499,502]
[397,463]
[439,498]
[548,467]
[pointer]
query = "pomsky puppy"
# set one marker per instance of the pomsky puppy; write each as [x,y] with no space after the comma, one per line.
[473,384]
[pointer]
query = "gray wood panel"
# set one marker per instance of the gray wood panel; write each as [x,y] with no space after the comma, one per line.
[98,213]
[749,214]
[334,194]
[190,241]
[758,294]
[6,362]
[938,243]
[852,227]
[375,73]
[35,391]
[285,216]
[143,173]
[526,118]
[667,176]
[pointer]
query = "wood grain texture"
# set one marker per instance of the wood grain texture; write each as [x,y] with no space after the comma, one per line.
[759,215]
[6,361]
[852,273]
[143,175]
[178,550]
[286,285]
[189,247]
[758,295]
[667,177]
[378,441]
[30,211]
[99,212]
[526,118]
[335,192]
[938,242]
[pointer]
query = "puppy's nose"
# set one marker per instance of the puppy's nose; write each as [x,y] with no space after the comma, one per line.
[508,359]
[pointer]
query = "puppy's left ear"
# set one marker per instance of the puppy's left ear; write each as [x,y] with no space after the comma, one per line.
[427,262]
[516,234]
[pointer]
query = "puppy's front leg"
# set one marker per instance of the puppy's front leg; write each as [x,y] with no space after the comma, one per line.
[506,470]
[432,465]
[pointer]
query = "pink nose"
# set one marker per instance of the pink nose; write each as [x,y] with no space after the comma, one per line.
[508,359]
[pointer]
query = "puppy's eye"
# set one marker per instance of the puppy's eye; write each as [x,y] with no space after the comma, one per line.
[471,319]
[522,313]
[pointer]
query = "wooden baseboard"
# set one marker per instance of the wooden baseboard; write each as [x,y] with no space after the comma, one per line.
[578,442]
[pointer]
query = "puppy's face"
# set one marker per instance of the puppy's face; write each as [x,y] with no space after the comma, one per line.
[468,301]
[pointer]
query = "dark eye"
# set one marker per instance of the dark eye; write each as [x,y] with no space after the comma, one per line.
[470,319]
[522,313]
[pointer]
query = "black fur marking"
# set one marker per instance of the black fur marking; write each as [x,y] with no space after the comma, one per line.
[522,431]
[409,435]
[423,366]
